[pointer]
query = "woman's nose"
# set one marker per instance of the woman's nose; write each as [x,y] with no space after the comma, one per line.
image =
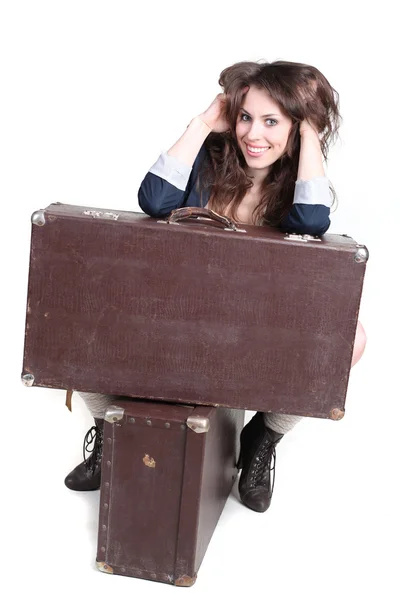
[255,131]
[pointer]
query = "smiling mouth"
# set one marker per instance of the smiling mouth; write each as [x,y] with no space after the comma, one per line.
[254,151]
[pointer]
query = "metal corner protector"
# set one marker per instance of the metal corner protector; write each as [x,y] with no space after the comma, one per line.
[38,218]
[198,424]
[104,567]
[114,413]
[28,379]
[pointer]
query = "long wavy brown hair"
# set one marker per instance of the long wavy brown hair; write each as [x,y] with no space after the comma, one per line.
[302,92]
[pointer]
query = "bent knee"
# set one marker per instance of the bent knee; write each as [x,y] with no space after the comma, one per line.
[359,344]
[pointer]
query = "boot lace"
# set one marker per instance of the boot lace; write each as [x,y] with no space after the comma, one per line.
[264,466]
[92,444]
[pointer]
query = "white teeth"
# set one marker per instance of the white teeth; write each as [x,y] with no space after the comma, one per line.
[258,149]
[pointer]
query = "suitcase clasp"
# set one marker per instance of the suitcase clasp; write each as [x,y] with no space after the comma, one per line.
[302,237]
[98,214]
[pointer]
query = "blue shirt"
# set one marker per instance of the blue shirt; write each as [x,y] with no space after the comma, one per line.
[171,184]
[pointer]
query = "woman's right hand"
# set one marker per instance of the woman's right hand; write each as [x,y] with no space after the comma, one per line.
[214,117]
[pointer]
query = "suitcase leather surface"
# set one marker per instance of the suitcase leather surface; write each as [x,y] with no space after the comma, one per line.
[163,487]
[128,305]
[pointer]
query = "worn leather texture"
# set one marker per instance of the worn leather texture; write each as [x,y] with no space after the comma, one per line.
[163,488]
[121,303]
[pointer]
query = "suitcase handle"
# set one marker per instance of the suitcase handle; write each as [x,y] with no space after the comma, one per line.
[179,214]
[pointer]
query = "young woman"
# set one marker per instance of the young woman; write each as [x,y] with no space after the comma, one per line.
[256,155]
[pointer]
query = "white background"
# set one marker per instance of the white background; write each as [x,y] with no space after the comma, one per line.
[91,92]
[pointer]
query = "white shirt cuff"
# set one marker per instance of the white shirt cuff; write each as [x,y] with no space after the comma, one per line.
[172,170]
[313,191]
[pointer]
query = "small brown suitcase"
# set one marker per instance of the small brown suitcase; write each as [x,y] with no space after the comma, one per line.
[195,312]
[167,472]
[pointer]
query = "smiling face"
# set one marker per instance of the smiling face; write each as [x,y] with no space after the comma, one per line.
[262,131]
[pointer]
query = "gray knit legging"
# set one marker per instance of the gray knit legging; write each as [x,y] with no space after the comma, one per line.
[97,405]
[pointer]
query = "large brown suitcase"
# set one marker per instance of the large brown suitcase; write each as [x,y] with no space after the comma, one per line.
[167,472]
[196,312]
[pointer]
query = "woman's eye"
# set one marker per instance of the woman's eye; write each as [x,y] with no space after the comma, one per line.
[247,118]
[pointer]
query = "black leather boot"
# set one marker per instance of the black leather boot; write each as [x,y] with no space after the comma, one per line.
[257,461]
[86,476]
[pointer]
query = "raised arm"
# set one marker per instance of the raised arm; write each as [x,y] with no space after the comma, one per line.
[170,180]
[312,198]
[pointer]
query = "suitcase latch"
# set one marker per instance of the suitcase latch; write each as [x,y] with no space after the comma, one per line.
[98,214]
[305,237]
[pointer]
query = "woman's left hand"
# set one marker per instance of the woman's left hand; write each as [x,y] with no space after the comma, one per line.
[307,128]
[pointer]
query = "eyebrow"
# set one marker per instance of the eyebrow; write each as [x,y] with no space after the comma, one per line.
[263,116]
